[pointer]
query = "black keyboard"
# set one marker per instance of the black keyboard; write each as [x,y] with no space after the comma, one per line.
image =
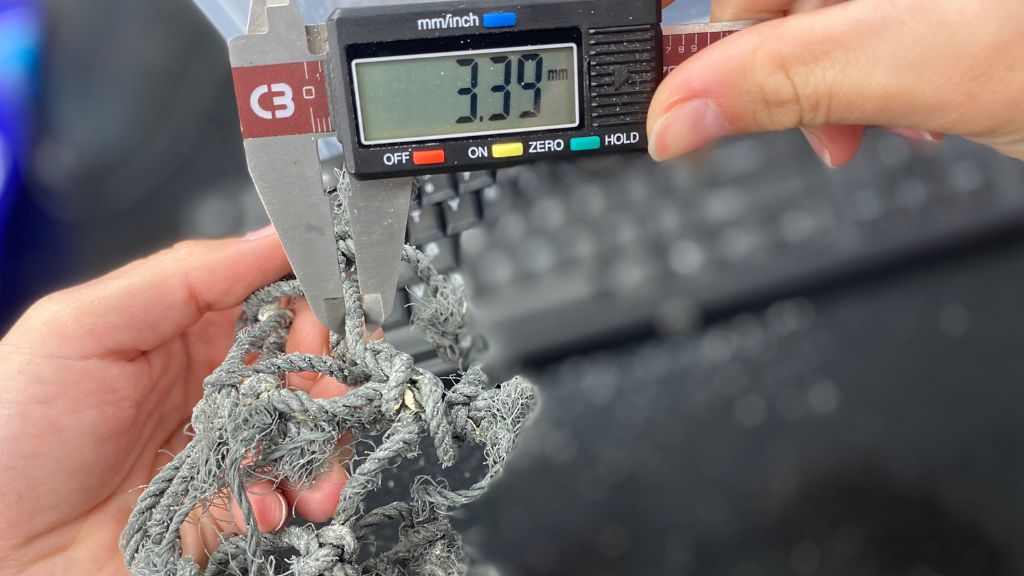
[562,256]
[873,430]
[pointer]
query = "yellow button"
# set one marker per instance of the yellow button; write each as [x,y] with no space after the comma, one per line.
[507,150]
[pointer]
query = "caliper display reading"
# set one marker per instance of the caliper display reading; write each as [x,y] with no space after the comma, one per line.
[469,93]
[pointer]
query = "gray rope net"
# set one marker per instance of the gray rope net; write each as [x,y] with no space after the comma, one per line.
[249,427]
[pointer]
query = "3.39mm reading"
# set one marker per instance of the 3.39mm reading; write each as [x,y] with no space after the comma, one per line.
[528,74]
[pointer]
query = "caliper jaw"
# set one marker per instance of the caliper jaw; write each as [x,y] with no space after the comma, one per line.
[279,69]
[379,212]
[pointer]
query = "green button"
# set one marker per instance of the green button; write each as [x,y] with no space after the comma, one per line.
[585,143]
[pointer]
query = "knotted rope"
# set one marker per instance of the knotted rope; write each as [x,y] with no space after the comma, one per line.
[249,426]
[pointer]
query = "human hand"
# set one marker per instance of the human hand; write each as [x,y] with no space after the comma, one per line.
[833,66]
[97,385]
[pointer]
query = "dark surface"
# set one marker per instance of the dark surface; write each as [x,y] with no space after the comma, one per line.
[873,429]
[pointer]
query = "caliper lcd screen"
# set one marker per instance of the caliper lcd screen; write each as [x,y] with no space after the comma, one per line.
[472,93]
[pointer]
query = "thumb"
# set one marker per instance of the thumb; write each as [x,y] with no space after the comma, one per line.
[855,63]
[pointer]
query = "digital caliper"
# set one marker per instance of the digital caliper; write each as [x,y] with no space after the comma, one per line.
[412,88]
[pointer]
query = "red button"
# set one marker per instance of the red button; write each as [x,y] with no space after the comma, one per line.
[422,157]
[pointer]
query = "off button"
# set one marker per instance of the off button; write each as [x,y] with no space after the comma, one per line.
[507,150]
[427,157]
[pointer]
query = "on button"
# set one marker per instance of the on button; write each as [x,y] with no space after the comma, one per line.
[425,157]
[507,150]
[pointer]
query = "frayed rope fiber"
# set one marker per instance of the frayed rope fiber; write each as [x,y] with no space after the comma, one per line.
[249,426]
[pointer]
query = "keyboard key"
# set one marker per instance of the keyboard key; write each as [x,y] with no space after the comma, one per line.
[911,193]
[622,232]
[425,225]
[892,151]
[587,202]
[473,242]
[461,213]
[495,200]
[741,243]
[868,204]
[686,258]
[548,214]
[725,205]
[737,158]
[494,270]
[473,181]
[436,189]
[967,176]
[537,256]
[576,243]
[511,229]
[416,293]
[537,181]
[508,178]
[443,254]
[799,225]
[631,270]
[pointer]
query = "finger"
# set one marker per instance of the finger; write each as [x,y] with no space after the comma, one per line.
[192,545]
[312,338]
[725,10]
[208,343]
[201,532]
[810,69]
[142,305]
[327,387]
[269,507]
[307,336]
[318,501]
[835,145]
[920,135]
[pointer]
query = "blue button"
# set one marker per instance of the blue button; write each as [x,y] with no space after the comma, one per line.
[500,20]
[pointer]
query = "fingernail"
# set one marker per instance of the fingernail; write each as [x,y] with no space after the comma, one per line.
[687,127]
[913,134]
[261,233]
[284,512]
[819,147]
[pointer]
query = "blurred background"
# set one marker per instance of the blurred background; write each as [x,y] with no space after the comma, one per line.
[751,365]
